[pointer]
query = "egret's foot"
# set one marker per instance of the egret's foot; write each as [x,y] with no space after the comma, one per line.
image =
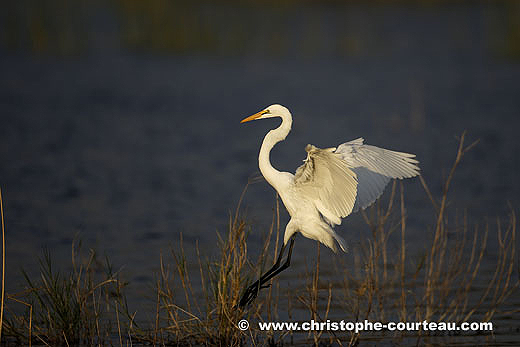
[250,294]
[252,291]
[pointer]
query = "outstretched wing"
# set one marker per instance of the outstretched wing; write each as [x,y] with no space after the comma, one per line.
[327,180]
[374,168]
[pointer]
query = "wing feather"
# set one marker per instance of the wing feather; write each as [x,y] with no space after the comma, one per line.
[327,180]
[374,167]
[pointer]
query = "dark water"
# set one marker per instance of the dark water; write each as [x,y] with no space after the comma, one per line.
[127,151]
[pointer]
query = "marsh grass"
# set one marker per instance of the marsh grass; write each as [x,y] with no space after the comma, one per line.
[210,316]
[454,277]
[79,307]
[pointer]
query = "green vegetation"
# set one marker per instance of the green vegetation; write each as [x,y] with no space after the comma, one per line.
[224,28]
[379,281]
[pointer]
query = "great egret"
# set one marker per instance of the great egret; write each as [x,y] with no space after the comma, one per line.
[331,184]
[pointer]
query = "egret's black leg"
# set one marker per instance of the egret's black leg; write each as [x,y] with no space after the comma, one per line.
[285,265]
[252,291]
[276,265]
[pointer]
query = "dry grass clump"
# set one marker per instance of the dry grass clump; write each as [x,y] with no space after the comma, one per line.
[81,307]
[208,314]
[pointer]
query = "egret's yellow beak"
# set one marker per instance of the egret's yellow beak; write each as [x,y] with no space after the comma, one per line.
[253,117]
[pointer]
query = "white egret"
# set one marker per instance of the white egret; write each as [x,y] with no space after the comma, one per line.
[331,184]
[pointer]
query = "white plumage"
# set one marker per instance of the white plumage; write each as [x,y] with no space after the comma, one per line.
[332,183]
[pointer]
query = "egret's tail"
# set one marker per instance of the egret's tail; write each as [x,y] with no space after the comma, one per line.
[323,233]
[341,241]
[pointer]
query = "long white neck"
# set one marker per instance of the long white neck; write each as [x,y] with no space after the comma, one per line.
[272,138]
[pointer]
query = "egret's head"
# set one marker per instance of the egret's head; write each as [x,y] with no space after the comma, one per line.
[269,112]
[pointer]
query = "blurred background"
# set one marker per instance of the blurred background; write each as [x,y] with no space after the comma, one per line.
[120,119]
